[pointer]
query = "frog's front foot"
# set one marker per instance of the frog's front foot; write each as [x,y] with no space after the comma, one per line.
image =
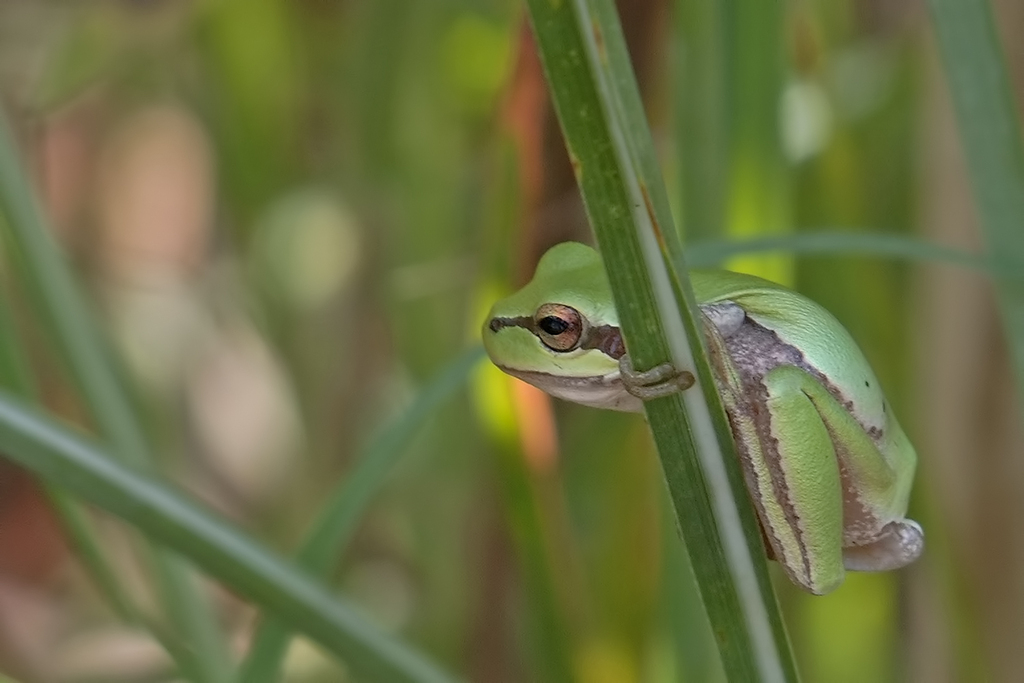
[658,382]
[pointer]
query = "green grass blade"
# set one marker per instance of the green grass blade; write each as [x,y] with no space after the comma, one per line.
[66,459]
[15,376]
[990,130]
[338,520]
[759,188]
[80,530]
[595,94]
[887,245]
[691,638]
[65,311]
[74,519]
[702,134]
[14,368]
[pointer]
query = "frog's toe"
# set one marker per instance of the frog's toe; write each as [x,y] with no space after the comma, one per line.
[661,380]
[897,545]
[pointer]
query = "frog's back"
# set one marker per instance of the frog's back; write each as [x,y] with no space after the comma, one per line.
[762,299]
[802,324]
[710,286]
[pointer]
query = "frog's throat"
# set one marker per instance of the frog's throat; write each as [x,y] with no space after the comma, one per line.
[598,391]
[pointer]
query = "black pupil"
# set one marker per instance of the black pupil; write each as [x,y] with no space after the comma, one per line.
[553,325]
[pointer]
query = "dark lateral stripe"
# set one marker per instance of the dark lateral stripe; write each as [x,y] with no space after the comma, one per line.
[605,338]
[524,321]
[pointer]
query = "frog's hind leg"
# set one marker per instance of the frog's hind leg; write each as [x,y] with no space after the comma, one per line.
[875,536]
[797,479]
[899,543]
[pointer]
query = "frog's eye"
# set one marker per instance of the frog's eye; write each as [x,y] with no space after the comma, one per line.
[559,327]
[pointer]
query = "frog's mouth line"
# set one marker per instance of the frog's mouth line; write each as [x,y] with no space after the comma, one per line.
[546,380]
[599,391]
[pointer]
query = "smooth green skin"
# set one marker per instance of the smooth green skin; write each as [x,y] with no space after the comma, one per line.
[827,465]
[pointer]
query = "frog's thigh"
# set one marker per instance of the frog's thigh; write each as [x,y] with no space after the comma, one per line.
[876,537]
[808,519]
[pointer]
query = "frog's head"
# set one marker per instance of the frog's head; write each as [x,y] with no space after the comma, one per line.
[560,332]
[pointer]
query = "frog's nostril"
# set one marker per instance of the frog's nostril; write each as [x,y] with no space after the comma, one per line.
[494,325]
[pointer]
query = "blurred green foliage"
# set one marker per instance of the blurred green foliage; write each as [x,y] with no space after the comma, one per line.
[290,214]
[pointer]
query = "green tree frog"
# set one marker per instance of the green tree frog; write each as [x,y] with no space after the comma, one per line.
[826,464]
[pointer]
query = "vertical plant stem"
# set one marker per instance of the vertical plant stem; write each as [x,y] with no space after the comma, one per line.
[758,189]
[701,117]
[598,104]
[990,130]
